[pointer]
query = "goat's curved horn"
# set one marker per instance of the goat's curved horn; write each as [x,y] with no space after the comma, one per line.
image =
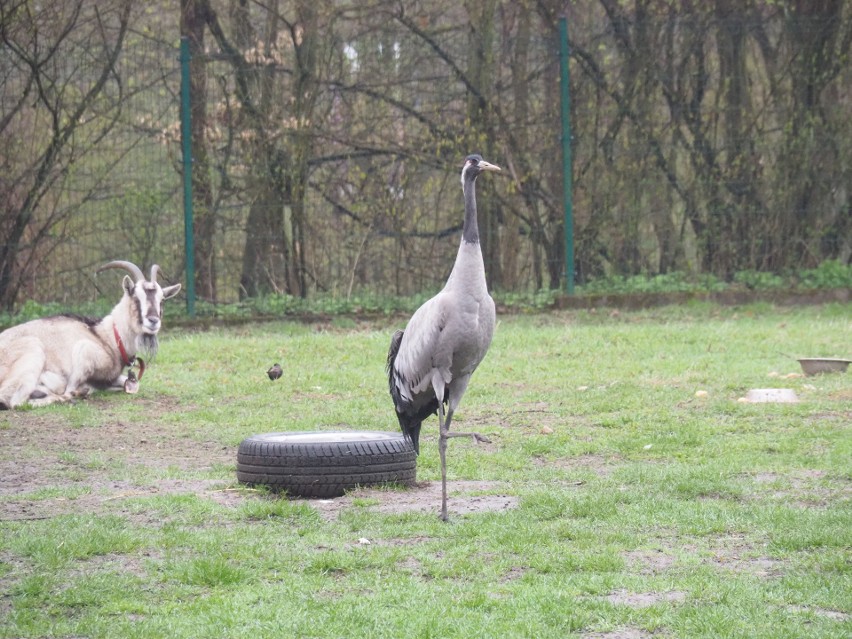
[130,267]
[154,270]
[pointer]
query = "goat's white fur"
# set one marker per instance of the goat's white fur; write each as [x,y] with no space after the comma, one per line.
[58,358]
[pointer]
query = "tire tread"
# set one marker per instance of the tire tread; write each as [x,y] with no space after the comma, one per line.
[323,468]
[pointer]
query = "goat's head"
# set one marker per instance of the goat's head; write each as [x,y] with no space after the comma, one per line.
[146,296]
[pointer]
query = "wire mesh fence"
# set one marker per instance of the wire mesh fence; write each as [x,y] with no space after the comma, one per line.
[87,177]
[327,141]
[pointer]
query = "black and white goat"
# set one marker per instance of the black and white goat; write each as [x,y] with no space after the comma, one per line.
[55,359]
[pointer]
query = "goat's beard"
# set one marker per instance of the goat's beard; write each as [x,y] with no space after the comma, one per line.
[146,346]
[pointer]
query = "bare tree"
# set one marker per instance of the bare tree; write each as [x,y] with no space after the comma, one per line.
[273,52]
[707,137]
[56,109]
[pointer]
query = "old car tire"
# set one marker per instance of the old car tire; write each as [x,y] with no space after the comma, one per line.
[325,464]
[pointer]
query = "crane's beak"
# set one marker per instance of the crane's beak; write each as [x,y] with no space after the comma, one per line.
[487,166]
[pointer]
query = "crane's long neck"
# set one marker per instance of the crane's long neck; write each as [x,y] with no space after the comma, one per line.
[470,231]
[469,268]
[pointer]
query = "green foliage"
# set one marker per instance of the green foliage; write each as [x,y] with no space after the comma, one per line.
[676,282]
[759,280]
[31,310]
[320,304]
[537,301]
[829,274]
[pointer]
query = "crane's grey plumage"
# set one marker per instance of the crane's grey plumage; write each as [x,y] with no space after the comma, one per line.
[446,338]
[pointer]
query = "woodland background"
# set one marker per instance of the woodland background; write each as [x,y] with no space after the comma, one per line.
[708,137]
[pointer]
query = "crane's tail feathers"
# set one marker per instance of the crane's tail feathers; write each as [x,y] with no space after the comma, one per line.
[393,376]
[412,434]
[411,429]
[396,340]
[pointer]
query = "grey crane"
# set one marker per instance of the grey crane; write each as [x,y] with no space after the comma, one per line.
[430,362]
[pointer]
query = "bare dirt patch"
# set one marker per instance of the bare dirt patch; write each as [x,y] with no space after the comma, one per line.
[738,554]
[50,468]
[806,488]
[649,562]
[464,498]
[621,633]
[599,465]
[834,615]
[644,599]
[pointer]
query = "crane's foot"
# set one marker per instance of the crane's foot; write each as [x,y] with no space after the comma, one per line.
[477,437]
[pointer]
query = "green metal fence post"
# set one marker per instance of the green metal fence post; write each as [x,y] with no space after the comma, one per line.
[567,177]
[186,145]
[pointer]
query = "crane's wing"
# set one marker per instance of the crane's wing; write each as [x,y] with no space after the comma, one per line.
[423,349]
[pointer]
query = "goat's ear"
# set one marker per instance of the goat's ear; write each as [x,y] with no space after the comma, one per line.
[171,291]
[128,285]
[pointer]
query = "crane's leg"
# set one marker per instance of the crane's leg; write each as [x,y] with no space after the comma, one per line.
[457,389]
[444,435]
[477,437]
[443,424]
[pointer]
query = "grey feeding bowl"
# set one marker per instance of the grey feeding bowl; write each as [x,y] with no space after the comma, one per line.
[817,365]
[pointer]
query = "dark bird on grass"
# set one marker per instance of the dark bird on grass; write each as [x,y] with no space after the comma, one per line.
[275,372]
[430,362]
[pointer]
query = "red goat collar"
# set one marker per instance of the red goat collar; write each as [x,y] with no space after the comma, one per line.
[125,360]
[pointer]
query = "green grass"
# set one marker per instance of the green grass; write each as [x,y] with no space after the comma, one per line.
[642,509]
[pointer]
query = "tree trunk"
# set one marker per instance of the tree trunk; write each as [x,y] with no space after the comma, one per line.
[265,258]
[193,24]
[304,99]
[266,253]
